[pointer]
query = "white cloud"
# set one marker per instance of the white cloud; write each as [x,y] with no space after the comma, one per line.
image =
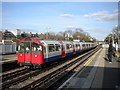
[110,17]
[99,30]
[117,10]
[67,15]
[96,14]
[103,16]
[73,27]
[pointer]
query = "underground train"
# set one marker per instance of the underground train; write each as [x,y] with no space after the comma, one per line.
[35,52]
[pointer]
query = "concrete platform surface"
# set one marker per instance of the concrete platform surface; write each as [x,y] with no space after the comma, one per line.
[98,73]
[8,58]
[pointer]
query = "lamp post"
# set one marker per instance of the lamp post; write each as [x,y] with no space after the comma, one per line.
[118,32]
[47,28]
[112,33]
[117,37]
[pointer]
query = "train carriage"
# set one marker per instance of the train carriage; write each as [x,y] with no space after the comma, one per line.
[77,46]
[30,51]
[52,50]
[69,48]
[36,52]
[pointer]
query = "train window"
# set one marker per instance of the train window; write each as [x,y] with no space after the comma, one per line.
[36,48]
[67,46]
[51,47]
[70,45]
[73,46]
[27,47]
[86,45]
[76,46]
[21,48]
[83,45]
[57,47]
[79,45]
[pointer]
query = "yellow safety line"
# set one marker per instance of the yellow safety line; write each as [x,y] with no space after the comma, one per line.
[93,58]
[85,67]
[88,63]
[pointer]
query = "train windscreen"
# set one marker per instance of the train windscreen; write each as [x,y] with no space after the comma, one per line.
[30,48]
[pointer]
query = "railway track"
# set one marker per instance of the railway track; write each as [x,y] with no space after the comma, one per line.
[42,81]
[18,75]
[13,73]
[49,80]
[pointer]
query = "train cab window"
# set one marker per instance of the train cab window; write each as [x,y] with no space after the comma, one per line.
[36,48]
[51,47]
[27,47]
[57,47]
[21,48]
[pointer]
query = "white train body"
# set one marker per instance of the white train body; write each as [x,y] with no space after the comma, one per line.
[53,48]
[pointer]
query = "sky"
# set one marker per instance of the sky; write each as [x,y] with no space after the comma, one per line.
[96,18]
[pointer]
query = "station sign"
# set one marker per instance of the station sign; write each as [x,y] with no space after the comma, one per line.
[8,41]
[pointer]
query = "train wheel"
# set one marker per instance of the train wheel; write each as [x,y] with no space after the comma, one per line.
[27,67]
[32,68]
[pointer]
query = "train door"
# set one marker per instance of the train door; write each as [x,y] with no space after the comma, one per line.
[21,51]
[63,51]
[24,52]
[73,48]
[37,53]
[27,52]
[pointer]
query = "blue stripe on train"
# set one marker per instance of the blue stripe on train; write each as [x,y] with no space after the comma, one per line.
[67,54]
[52,58]
[57,57]
[77,51]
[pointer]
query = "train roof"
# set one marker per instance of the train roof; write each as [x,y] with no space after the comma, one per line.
[47,41]
[50,42]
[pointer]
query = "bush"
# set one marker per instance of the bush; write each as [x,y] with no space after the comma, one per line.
[15,40]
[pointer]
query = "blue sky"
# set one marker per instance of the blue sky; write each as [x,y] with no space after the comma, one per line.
[96,18]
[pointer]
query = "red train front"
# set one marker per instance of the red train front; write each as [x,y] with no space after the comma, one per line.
[30,52]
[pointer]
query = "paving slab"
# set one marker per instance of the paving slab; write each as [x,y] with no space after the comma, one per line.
[98,74]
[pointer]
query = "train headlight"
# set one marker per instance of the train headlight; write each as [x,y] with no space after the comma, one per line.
[20,54]
[35,55]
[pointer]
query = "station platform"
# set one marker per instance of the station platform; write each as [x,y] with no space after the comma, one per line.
[96,73]
[8,58]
